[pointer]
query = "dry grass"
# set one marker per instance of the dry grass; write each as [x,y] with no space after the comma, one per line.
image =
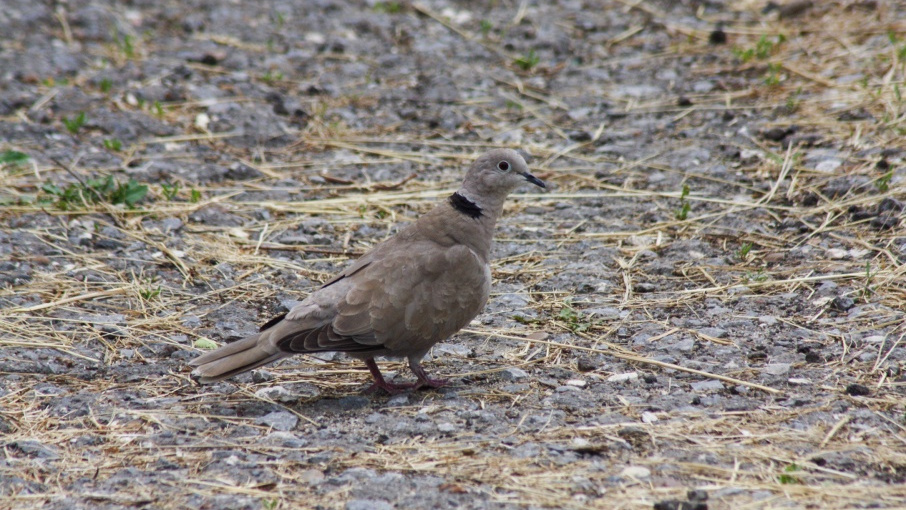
[806,77]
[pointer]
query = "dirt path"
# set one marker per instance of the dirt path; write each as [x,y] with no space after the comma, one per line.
[709,298]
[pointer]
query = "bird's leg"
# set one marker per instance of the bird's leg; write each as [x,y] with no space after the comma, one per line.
[380,383]
[423,379]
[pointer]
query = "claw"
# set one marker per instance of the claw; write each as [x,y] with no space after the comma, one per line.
[393,389]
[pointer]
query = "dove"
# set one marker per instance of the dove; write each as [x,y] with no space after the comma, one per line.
[406,294]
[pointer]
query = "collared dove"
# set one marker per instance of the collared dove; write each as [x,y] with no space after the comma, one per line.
[400,298]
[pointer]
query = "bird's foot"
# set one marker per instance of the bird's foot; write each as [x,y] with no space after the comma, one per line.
[390,388]
[430,383]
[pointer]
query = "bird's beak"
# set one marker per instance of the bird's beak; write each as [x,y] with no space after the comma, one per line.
[534,180]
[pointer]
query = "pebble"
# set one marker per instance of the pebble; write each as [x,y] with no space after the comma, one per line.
[586,364]
[447,428]
[713,332]
[368,504]
[578,383]
[513,374]
[398,400]
[279,420]
[627,376]
[767,320]
[709,385]
[636,472]
[649,417]
[275,393]
[34,448]
[776,369]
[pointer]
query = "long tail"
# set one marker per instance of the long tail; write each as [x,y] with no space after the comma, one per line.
[232,359]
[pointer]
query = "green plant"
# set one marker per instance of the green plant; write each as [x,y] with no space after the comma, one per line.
[743,252]
[194,196]
[527,61]
[269,504]
[149,293]
[573,319]
[74,124]
[129,193]
[786,478]
[756,277]
[763,49]
[126,44]
[792,102]
[11,157]
[158,109]
[93,191]
[113,144]
[271,77]
[513,105]
[106,84]
[772,78]
[486,27]
[883,182]
[388,7]
[683,212]
[170,190]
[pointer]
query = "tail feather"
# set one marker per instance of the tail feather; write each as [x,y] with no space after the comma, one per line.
[232,359]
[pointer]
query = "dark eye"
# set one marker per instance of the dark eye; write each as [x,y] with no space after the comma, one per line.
[503,165]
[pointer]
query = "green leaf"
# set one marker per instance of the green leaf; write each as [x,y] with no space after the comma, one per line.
[204,343]
[13,157]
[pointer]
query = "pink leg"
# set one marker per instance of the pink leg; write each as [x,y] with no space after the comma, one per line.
[380,383]
[423,379]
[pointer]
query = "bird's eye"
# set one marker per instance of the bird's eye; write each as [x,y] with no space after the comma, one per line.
[503,165]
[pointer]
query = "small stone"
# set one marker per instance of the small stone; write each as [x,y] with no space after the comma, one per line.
[709,385]
[697,495]
[274,393]
[843,303]
[713,332]
[649,417]
[279,420]
[683,345]
[828,165]
[813,357]
[368,504]
[34,448]
[776,369]
[454,349]
[767,320]
[717,36]
[262,376]
[636,472]
[578,383]
[310,476]
[513,374]
[286,440]
[628,376]
[874,339]
[585,364]
[799,381]
[446,428]
[398,400]
[644,287]
[857,390]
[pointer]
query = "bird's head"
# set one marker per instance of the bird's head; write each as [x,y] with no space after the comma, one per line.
[497,173]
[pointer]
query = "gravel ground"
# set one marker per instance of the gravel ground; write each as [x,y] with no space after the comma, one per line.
[705,309]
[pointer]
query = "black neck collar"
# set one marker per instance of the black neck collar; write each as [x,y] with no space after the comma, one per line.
[465,206]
